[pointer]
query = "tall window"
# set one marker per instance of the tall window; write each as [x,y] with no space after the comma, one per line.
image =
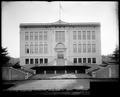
[26,61]
[79,48]
[79,60]
[26,35]
[45,60]
[36,35]
[89,48]
[60,36]
[40,48]
[93,35]
[45,48]
[31,35]
[74,35]
[45,35]
[75,48]
[31,61]
[88,35]
[84,60]
[31,48]
[89,60]
[26,48]
[84,48]
[84,35]
[36,61]
[93,48]
[75,60]
[36,48]
[79,35]
[41,61]
[40,35]
[93,60]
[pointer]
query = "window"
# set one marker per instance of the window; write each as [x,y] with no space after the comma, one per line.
[31,61]
[36,61]
[31,48]
[84,48]
[89,60]
[36,35]
[40,48]
[93,60]
[93,48]
[74,35]
[46,60]
[45,35]
[84,60]
[79,60]
[88,35]
[60,36]
[26,61]
[40,35]
[84,35]
[31,35]
[26,36]
[79,48]
[75,60]
[74,48]
[89,48]
[79,35]
[41,61]
[45,48]
[93,35]
[36,48]
[26,48]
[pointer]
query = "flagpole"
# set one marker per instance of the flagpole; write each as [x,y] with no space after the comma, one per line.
[59,11]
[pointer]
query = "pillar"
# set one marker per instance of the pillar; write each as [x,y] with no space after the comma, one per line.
[110,73]
[55,71]
[65,71]
[75,71]
[44,71]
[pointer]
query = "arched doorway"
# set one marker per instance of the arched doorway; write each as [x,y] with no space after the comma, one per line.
[60,50]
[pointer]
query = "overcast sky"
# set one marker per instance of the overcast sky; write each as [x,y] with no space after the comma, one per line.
[14,13]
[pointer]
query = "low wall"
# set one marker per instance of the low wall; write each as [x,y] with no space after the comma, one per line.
[9,73]
[111,71]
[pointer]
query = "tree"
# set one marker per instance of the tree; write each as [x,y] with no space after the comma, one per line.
[116,55]
[4,56]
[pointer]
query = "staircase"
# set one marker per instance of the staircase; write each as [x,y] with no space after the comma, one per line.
[94,67]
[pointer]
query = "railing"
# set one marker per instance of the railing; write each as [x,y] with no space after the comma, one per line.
[24,73]
[29,70]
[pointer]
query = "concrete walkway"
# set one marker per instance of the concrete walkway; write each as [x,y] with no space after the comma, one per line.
[50,84]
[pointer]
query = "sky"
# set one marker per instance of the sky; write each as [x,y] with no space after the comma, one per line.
[14,13]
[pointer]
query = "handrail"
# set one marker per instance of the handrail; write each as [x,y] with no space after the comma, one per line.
[17,70]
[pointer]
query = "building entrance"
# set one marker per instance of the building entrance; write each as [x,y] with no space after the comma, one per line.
[60,50]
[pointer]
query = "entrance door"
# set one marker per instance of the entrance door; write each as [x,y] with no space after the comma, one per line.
[60,55]
[60,59]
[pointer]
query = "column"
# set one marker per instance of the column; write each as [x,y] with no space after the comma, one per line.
[110,73]
[44,71]
[65,71]
[75,71]
[55,71]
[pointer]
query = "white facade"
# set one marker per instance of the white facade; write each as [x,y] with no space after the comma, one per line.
[60,43]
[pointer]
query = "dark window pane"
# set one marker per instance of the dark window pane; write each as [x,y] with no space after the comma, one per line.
[41,61]
[84,60]
[36,61]
[26,61]
[75,60]
[46,60]
[89,60]
[31,61]
[79,60]
[93,60]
